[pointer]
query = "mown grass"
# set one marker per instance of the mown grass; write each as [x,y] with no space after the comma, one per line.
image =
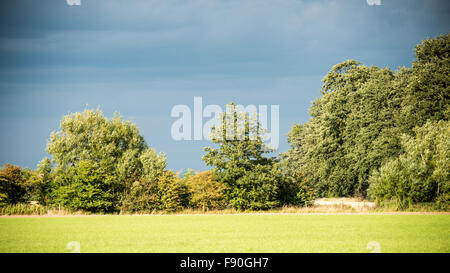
[227,233]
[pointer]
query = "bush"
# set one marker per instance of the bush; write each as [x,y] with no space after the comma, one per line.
[422,174]
[34,186]
[402,181]
[172,192]
[166,193]
[11,184]
[205,192]
[295,189]
[143,196]
[257,189]
[85,186]
[19,185]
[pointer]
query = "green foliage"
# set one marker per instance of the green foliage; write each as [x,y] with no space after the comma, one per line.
[373,131]
[422,174]
[35,186]
[355,127]
[295,189]
[46,173]
[3,199]
[427,93]
[256,189]
[239,162]
[187,175]
[172,192]
[114,145]
[154,165]
[12,180]
[142,196]
[85,186]
[403,181]
[431,147]
[205,192]
[166,193]
[19,185]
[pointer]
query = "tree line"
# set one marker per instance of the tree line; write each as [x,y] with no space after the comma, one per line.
[380,133]
[374,133]
[104,165]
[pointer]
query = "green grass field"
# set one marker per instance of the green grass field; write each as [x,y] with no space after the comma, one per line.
[227,233]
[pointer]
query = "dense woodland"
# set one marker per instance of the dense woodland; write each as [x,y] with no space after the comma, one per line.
[374,133]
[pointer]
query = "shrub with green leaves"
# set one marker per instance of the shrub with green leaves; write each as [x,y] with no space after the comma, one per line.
[404,181]
[295,189]
[143,196]
[422,174]
[256,189]
[20,185]
[85,186]
[173,193]
[11,185]
[205,192]
[164,193]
